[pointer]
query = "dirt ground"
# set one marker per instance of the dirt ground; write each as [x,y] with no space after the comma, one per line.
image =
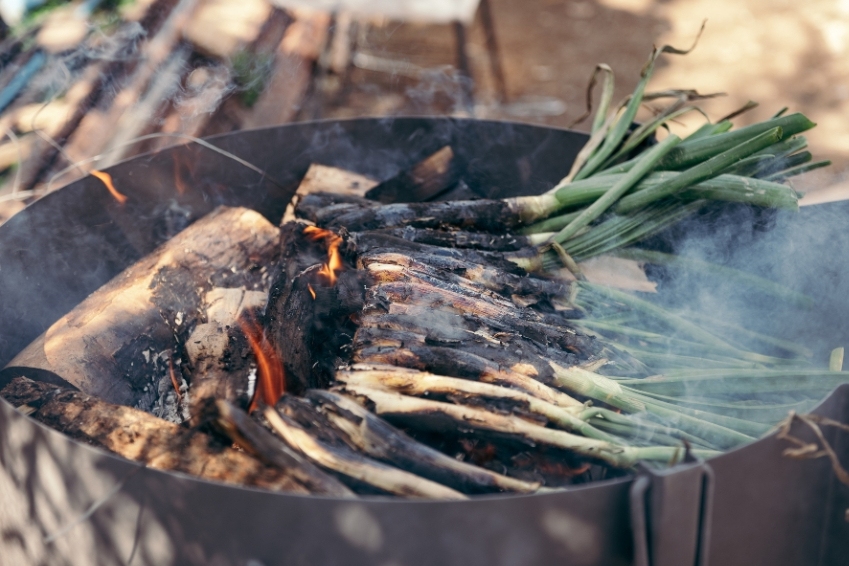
[776,52]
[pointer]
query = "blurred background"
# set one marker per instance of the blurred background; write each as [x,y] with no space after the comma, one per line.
[86,84]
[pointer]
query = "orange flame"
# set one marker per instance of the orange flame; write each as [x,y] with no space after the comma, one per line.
[106,179]
[311,290]
[334,258]
[174,381]
[271,381]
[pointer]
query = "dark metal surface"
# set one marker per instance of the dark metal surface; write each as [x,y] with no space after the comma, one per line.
[765,509]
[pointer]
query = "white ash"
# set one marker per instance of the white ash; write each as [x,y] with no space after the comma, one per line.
[157,365]
[169,405]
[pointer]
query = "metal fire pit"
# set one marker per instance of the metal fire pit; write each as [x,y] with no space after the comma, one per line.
[62,502]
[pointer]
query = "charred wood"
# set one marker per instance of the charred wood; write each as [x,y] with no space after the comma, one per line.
[141,437]
[308,319]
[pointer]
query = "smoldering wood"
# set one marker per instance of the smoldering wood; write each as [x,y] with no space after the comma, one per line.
[139,436]
[350,464]
[218,368]
[255,439]
[423,181]
[380,440]
[105,345]
[308,320]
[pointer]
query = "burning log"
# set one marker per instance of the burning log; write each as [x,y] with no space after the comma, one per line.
[310,305]
[139,436]
[112,344]
[295,423]
[213,347]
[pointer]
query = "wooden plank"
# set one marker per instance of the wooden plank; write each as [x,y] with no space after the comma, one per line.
[292,72]
[220,28]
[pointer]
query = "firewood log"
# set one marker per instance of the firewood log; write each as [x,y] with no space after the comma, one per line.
[156,443]
[217,368]
[350,464]
[380,440]
[423,181]
[308,317]
[106,346]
